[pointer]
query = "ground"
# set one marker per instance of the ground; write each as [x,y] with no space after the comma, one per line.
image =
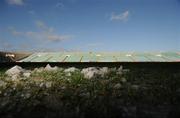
[137,92]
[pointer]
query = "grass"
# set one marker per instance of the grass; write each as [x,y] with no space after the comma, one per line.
[76,96]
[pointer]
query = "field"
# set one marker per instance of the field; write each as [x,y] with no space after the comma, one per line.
[128,92]
[17,56]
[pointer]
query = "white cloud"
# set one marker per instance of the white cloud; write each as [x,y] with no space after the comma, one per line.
[120,17]
[40,24]
[15,2]
[45,33]
[43,26]
[7,45]
[54,37]
[14,31]
[32,12]
[59,5]
[34,35]
[47,36]
[95,44]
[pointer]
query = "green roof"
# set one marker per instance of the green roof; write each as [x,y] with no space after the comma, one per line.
[103,57]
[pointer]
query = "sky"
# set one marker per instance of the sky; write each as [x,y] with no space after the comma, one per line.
[90,25]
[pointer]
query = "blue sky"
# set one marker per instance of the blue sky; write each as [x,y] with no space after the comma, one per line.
[90,25]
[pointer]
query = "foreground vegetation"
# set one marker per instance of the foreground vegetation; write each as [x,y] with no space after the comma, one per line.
[137,93]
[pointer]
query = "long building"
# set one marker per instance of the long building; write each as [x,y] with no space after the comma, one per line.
[102,57]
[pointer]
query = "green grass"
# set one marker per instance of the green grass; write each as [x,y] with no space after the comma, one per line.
[77,96]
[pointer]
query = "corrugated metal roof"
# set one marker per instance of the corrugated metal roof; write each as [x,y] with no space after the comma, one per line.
[103,57]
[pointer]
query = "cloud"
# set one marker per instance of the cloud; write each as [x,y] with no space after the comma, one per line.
[45,33]
[4,45]
[54,37]
[59,5]
[40,24]
[49,34]
[32,12]
[34,35]
[14,32]
[43,26]
[120,17]
[95,44]
[16,2]
[7,45]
